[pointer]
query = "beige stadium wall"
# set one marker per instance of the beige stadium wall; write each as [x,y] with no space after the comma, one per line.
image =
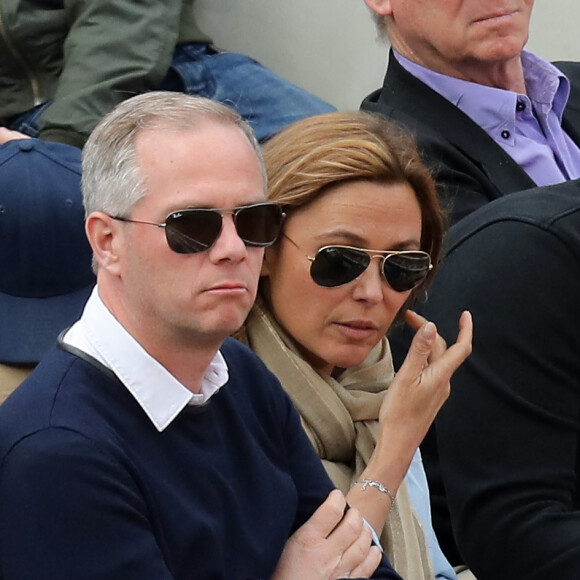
[330,47]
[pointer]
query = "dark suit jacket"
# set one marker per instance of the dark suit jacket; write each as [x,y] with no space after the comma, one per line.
[470,167]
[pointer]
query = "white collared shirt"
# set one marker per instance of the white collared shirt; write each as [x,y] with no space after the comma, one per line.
[158,392]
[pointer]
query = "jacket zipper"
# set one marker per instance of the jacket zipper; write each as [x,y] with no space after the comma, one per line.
[22,62]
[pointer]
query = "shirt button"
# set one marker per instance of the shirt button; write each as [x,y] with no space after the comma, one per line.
[521,106]
[505,134]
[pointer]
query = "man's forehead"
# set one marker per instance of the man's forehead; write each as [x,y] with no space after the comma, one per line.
[194,128]
[213,166]
[208,139]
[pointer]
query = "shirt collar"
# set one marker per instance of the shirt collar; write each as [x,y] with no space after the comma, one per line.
[547,88]
[158,392]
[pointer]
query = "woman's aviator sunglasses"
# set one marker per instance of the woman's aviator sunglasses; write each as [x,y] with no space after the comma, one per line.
[337,265]
[189,231]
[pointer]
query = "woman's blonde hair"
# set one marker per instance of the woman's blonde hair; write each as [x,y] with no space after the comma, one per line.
[315,153]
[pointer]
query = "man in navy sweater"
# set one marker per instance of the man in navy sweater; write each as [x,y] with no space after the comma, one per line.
[147,444]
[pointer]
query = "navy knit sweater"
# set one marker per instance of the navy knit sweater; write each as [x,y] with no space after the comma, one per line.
[90,490]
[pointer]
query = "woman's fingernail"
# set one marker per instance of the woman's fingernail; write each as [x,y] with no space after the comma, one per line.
[429,331]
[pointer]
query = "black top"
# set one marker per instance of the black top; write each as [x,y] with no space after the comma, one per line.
[508,437]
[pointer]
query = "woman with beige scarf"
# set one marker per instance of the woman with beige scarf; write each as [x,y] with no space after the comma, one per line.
[353,189]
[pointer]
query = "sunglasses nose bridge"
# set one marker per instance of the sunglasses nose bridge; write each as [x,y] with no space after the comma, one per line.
[381,257]
[382,265]
[369,285]
[233,215]
[228,216]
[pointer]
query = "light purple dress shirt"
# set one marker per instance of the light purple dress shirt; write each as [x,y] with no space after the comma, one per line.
[527,127]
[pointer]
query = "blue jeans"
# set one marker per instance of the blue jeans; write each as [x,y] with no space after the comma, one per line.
[29,121]
[265,100]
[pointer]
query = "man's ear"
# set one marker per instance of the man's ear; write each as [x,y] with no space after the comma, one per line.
[104,234]
[380,7]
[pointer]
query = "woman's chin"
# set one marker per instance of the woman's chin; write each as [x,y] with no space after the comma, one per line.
[351,359]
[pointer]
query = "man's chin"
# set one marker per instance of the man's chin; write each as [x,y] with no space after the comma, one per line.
[230,324]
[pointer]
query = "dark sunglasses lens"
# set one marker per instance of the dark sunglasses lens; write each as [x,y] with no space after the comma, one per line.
[337,266]
[259,225]
[192,231]
[404,272]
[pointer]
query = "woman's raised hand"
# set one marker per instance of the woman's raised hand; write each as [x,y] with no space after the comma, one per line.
[422,384]
[411,402]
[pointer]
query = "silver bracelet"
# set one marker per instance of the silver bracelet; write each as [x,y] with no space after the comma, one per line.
[373,483]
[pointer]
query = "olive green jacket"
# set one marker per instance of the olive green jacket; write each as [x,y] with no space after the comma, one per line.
[86,56]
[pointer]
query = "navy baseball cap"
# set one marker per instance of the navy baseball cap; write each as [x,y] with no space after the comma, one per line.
[45,258]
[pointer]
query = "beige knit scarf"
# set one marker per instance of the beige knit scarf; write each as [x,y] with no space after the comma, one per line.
[340,418]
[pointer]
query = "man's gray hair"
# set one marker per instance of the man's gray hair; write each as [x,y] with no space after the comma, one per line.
[381,23]
[111,179]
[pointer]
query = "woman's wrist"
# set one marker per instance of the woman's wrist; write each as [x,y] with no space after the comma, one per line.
[366,483]
[388,465]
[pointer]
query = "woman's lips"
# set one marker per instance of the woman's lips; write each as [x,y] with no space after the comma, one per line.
[357,328]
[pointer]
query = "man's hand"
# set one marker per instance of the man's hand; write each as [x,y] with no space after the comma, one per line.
[330,545]
[8,135]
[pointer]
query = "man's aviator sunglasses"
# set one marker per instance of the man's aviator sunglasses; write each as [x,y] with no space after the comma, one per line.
[189,231]
[334,266]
